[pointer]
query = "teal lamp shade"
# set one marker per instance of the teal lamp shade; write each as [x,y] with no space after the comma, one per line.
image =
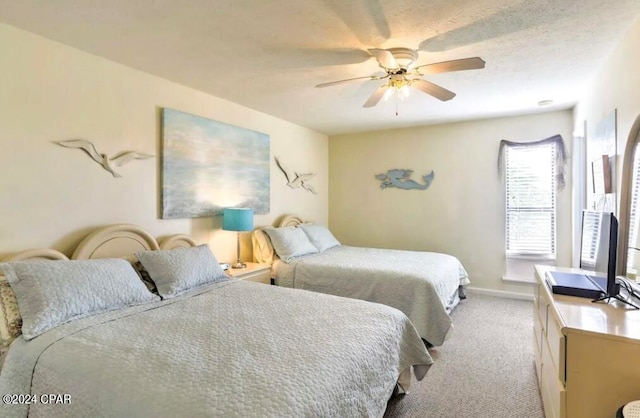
[237,219]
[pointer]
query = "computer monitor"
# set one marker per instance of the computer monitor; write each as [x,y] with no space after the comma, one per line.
[598,247]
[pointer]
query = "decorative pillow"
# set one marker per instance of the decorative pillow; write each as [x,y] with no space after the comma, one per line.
[10,320]
[262,249]
[144,276]
[290,242]
[51,293]
[180,269]
[320,236]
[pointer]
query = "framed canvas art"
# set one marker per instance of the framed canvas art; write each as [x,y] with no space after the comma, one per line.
[208,166]
[603,144]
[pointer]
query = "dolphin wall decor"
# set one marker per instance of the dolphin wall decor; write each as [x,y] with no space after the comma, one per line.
[400,179]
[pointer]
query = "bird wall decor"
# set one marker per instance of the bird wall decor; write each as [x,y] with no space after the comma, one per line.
[297,180]
[104,160]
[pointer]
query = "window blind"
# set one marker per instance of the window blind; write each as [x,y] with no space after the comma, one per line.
[633,212]
[590,239]
[530,180]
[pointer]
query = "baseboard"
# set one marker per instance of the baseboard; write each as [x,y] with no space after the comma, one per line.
[498,293]
[520,280]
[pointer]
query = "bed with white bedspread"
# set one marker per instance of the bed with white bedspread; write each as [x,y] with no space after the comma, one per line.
[218,349]
[426,286]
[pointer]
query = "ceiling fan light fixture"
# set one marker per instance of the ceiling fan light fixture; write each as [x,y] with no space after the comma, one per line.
[399,85]
[405,57]
[397,82]
[398,63]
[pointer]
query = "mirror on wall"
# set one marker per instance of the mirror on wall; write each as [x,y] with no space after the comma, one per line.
[629,239]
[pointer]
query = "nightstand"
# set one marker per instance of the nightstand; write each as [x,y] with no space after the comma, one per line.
[254,272]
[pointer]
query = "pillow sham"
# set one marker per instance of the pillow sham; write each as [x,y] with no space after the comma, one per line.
[53,292]
[180,269]
[290,242]
[10,320]
[262,249]
[144,276]
[320,236]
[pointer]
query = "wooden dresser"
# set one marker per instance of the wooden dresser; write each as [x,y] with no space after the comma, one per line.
[587,355]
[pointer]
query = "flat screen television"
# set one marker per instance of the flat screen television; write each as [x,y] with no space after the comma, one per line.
[598,249]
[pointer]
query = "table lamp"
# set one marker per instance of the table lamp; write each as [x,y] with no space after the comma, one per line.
[237,219]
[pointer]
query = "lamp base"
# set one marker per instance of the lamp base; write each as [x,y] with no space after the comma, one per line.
[238,265]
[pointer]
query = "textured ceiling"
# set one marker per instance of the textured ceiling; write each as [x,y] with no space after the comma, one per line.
[269,54]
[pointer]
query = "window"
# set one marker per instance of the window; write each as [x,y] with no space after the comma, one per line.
[530,177]
[591,228]
[633,212]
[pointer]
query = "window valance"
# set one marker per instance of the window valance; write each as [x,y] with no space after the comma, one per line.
[561,155]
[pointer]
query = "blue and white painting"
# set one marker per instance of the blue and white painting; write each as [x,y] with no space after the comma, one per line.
[208,166]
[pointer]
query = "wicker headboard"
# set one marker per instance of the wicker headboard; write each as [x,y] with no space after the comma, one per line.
[123,241]
[289,220]
[37,253]
[111,241]
[176,241]
[115,241]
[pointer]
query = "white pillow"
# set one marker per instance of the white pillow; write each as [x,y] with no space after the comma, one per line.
[177,270]
[320,236]
[290,242]
[53,292]
[262,249]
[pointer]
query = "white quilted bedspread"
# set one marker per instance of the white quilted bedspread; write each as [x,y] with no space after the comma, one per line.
[418,283]
[236,350]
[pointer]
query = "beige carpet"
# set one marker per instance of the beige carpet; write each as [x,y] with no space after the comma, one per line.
[485,370]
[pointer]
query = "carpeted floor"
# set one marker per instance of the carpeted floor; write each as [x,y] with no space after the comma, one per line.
[485,370]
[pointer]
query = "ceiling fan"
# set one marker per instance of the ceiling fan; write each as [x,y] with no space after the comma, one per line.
[401,74]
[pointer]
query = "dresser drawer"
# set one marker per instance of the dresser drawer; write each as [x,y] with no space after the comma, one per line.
[554,394]
[537,355]
[557,347]
[542,308]
[538,329]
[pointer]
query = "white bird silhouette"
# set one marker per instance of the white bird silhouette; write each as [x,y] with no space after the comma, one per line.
[103,159]
[300,180]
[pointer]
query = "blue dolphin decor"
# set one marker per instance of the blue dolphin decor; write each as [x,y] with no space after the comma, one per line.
[400,179]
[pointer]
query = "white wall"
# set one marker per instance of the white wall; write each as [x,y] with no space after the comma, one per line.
[616,86]
[51,196]
[462,213]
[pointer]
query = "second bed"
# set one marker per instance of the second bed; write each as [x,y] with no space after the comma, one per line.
[426,286]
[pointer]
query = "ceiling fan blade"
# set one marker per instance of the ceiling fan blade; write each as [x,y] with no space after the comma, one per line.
[454,65]
[434,90]
[384,57]
[376,96]
[333,83]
